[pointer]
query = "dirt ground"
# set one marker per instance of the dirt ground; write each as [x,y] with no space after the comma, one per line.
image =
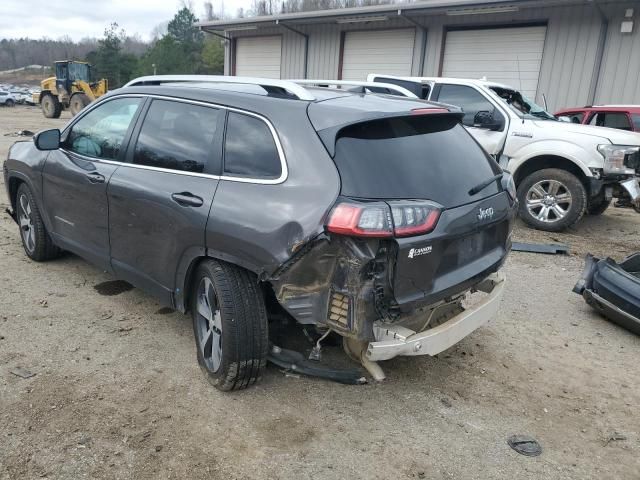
[117,392]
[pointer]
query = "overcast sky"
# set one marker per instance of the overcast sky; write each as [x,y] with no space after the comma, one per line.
[85,18]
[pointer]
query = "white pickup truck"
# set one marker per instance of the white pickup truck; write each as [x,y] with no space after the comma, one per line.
[562,170]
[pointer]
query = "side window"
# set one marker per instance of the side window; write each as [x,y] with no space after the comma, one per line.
[576,117]
[249,148]
[100,132]
[469,99]
[618,120]
[179,136]
[636,121]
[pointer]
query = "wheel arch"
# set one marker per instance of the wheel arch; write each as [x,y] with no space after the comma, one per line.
[540,162]
[186,272]
[14,184]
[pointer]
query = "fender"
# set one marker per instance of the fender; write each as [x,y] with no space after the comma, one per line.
[554,148]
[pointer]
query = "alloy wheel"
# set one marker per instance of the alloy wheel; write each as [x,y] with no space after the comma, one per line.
[25,218]
[209,325]
[549,201]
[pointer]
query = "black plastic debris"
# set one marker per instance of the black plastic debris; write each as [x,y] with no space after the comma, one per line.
[548,248]
[293,361]
[525,445]
[613,289]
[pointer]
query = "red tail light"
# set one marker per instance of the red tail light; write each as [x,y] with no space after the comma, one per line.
[380,219]
[373,220]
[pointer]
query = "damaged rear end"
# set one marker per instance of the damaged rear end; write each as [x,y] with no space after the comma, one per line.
[421,226]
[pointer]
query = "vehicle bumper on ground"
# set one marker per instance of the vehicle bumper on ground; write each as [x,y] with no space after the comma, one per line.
[395,340]
[613,289]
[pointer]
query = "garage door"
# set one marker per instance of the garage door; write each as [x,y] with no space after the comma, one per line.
[377,51]
[505,55]
[258,57]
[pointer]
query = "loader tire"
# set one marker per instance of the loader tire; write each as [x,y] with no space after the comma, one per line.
[78,102]
[51,107]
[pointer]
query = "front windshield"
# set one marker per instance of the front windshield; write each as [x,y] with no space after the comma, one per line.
[522,105]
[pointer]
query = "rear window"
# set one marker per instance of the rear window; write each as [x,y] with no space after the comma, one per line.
[420,157]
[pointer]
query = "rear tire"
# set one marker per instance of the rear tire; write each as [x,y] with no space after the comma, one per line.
[9,103]
[51,107]
[78,102]
[229,324]
[551,199]
[35,239]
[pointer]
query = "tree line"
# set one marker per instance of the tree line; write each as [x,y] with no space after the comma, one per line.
[177,47]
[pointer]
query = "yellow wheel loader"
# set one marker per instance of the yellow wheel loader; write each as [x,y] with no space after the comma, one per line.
[71,89]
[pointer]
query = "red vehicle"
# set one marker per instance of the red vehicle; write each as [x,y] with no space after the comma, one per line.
[622,117]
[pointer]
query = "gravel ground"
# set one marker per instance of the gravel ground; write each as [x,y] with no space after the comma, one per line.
[117,392]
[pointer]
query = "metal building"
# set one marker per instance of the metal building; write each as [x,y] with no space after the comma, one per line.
[575,52]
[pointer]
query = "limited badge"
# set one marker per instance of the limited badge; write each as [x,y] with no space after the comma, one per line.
[416,252]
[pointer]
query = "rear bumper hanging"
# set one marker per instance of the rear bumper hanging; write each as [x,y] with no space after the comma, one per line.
[395,340]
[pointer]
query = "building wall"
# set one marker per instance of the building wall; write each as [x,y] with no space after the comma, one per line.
[620,72]
[576,38]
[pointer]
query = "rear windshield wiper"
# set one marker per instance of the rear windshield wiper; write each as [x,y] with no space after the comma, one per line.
[485,184]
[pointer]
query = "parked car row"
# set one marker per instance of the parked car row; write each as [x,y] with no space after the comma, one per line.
[11,95]
[374,212]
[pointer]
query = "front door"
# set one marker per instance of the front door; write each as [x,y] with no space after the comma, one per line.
[472,103]
[76,176]
[159,201]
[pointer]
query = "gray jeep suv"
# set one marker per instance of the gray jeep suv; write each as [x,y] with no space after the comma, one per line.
[246,201]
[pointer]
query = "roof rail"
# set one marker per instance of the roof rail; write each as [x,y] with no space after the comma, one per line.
[378,85]
[268,84]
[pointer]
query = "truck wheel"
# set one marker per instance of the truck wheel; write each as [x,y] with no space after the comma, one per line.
[51,107]
[598,206]
[9,103]
[552,199]
[78,102]
[230,325]
[35,239]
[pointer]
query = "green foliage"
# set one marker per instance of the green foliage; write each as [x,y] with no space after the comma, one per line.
[109,61]
[180,50]
[181,28]
[213,56]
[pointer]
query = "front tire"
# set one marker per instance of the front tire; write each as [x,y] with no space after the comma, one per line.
[78,102]
[229,324]
[552,199]
[10,103]
[35,239]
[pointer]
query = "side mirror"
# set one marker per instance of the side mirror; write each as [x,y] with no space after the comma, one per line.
[564,118]
[47,139]
[485,119]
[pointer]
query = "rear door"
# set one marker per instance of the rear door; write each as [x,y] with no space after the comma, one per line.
[475,105]
[75,177]
[159,200]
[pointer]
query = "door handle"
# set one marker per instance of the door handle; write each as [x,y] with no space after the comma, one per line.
[95,177]
[187,199]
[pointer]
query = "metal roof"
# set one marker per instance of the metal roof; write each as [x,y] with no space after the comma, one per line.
[450,7]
